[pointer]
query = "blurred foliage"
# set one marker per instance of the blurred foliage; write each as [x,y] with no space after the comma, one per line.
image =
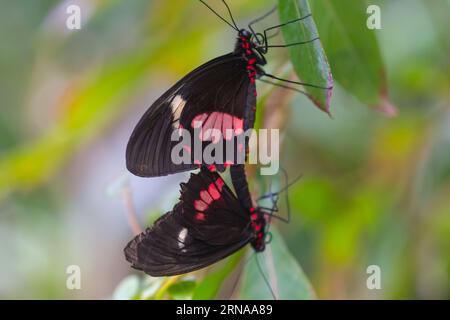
[309,60]
[375,190]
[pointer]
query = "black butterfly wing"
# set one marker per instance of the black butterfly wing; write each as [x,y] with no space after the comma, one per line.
[207,225]
[219,92]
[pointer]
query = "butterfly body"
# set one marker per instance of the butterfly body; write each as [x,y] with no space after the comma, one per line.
[208,224]
[220,94]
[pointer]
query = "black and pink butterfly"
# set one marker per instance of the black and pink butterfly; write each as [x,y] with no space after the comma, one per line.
[208,224]
[220,94]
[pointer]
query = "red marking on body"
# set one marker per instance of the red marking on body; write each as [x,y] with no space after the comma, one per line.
[200,216]
[256,227]
[204,195]
[212,168]
[212,190]
[253,216]
[200,205]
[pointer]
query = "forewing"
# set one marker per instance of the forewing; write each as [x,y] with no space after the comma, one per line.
[215,93]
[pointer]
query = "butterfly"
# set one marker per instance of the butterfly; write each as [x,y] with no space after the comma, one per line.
[214,103]
[208,224]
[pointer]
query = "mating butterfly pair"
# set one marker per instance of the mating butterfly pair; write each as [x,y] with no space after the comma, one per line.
[210,222]
[220,95]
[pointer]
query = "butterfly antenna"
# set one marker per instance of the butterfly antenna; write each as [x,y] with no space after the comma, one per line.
[286,187]
[265,278]
[288,205]
[231,15]
[240,275]
[222,18]
[296,82]
[274,198]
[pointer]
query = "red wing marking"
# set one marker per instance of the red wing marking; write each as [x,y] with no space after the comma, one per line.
[207,197]
[212,190]
[220,183]
[228,163]
[187,148]
[200,216]
[238,125]
[215,122]
[205,133]
[227,126]
[204,195]
[200,205]
[197,122]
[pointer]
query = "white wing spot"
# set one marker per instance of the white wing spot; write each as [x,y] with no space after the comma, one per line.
[177,106]
[181,237]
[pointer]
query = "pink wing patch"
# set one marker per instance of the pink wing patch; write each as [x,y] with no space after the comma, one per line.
[200,216]
[212,123]
[204,195]
[207,197]
[200,205]
[212,190]
[220,183]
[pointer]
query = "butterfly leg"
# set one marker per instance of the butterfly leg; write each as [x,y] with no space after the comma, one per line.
[289,22]
[274,197]
[292,44]
[260,19]
[283,86]
[296,82]
[263,16]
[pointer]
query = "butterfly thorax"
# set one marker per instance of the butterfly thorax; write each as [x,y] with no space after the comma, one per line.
[251,53]
[258,225]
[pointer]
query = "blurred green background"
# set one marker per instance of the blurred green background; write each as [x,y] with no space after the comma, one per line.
[375,188]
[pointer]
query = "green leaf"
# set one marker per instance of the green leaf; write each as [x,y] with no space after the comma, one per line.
[182,290]
[210,286]
[150,287]
[284,274]
[128,288]
[309,60]
[353,50]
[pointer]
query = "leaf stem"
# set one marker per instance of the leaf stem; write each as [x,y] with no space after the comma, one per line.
[166,284]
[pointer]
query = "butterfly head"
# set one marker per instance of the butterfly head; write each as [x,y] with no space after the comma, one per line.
[249,45]
[245,33]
